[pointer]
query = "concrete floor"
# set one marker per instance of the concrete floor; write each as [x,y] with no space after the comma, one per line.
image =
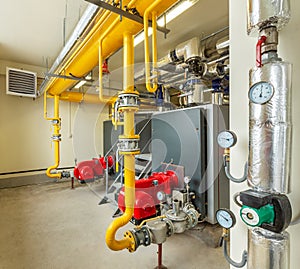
[53,226]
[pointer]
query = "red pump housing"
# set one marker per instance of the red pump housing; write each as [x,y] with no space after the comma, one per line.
[92,169]
[146,190]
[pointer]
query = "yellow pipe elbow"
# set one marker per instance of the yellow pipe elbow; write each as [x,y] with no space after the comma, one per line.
[51,168]
[129,189]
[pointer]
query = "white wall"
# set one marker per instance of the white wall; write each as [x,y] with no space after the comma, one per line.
[25,142]
[242,59]
[25,136]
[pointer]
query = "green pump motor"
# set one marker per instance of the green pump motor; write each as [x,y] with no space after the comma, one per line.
[270,211]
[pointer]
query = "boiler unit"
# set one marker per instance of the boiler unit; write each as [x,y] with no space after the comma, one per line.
[188,137]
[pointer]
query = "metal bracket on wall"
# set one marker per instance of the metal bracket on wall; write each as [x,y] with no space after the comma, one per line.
[126,14]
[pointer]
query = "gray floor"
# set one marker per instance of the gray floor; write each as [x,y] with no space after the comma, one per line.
[53,226]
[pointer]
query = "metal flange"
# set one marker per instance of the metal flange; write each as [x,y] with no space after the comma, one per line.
[128,100]
[129,235]
[128,145]
[56,137]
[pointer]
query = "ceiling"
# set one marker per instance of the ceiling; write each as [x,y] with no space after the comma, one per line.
[34,32]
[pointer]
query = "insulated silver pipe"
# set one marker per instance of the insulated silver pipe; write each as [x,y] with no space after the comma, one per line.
[268,250]
[270,131]
[262,13]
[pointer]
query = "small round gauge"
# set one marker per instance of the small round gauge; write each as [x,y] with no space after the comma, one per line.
[161,196]
[261,92]
[226,139]
[187,180]
[225,218]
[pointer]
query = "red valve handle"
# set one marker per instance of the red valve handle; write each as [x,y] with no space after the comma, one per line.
[260,41]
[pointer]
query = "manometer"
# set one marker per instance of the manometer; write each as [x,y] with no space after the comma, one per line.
[161,196]
[226,139]
[187,180]
[261,92]
[225,218]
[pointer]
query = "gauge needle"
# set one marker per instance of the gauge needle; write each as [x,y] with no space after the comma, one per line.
[224,218]
[260,92]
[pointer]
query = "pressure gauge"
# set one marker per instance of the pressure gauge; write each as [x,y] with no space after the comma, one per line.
[261,92]
[187,180]
[226,139]
[161,196]
[225,218]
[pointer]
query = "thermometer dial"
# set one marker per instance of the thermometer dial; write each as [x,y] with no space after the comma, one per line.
[261,92]
[226,139]
[225,218]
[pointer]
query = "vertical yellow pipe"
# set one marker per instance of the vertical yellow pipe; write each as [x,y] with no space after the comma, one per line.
[154,47]
[129,159]
[56,141]
[146,45]
[128,62]
[107,31]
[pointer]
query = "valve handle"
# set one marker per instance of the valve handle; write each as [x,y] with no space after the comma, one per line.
[259,44]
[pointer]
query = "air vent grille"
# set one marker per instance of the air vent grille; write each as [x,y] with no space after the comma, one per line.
[21,83]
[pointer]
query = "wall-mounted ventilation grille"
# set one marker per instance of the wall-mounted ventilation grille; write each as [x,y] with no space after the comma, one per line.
[21,83]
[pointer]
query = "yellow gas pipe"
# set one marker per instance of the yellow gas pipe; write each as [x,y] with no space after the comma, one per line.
[110,100]
[78,97]
[56,135]
[84,56]
[154,46]
[129,159]
[107,31]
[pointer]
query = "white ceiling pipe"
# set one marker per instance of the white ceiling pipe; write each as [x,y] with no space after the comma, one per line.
[182,52]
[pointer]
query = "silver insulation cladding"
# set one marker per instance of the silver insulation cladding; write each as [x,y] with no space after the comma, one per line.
[262,13]
[268,250]
[270,131]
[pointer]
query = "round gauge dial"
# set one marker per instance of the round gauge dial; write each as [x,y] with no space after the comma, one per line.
[261,92]
[161,196]
[225,218]
[226,139]
[187,180]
